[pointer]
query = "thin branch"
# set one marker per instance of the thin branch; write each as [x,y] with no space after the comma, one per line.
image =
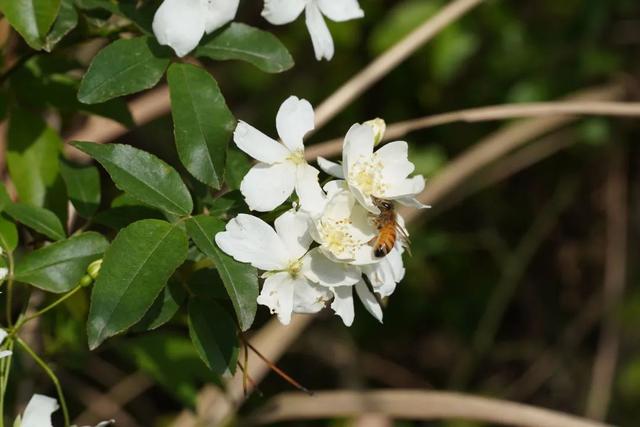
[412,405]
[614,283]
[495,112]
[341,98]
[497,145]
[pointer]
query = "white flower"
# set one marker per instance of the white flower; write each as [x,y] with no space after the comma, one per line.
[281,168]
[279,12]
[343,228]
[182,23]
[4,271]
[296,279]
[38,411]
[386,274]
[383,174]
[343,302]
[3,336]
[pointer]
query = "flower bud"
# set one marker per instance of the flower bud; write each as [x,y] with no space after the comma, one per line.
[94,268]
[379,127]
[85,281]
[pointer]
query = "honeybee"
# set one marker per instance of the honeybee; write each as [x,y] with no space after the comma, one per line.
[389,230]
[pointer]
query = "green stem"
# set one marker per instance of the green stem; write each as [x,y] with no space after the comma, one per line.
[10,289]
[5,368]
[52,376]
[39,313]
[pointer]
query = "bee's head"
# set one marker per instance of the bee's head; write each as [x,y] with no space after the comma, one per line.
[383,204]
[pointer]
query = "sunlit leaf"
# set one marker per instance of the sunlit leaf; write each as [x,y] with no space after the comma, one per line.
[245,43]
[125,66]
[136,267]
[31,18]
[143,175]
[60,266]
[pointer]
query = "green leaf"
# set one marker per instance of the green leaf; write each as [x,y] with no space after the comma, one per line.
[125,66]
[245,43]
[142,175]
[60,266]
[66,21]
[136,267]
[83,187]
[213,334]
[240,280]
[8,235]
[32,156]
[164,307]
[202,122]
[31,18]
[41,220]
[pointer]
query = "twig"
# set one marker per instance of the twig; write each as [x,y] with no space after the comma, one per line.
[614,282]
[145,108]
[341,98]
[494,112]
[412,405]
[497,145]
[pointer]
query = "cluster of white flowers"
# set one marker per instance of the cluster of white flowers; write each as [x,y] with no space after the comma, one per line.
[182,23]
[320,249]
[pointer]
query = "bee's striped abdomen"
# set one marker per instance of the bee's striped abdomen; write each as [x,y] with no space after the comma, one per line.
[386,240]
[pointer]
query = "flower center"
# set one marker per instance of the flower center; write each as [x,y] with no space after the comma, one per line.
[337,238]
[297,157]
[294,267]
[366,174]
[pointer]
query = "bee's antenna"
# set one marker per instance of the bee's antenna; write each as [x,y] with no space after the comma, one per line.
[275,369]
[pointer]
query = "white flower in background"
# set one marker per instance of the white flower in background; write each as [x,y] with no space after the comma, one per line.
[343,228]
[182,23]
[4,271]
[3,336]
[38,411]
[281,168]
[383,174]
[296,279]
[279,12]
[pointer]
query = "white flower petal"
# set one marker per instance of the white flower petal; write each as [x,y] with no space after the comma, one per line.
[341,10]
[407,187]
[358,143]
[258,145]
[312,198]
[365,256]
[265,187]
[38,411]
[5,353]
[411,202]
[333,187]
[322,270]
[310,298]
[277,294]
[250,239]
[279,12]
[330,168]
[369,300]
[294,119]
[320,35]
[179,24]
[293,229]
[218,13]
[394,158]
[343,304]
[385,275]
[3,335]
